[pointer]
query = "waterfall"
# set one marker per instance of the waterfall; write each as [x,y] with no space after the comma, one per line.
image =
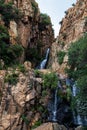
[44,62]
[78,119]
[54,112]
[53,106]
[74,90]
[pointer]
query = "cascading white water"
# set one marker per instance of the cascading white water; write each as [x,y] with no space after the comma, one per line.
[54,105]
[78,119]
[44,62]
[74,90]
[54,111]
[47,53]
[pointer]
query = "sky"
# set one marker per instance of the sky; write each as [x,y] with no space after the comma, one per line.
[55,9]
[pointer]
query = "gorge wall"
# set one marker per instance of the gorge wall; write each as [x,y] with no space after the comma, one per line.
[28,29]
[73,26]
[23,106]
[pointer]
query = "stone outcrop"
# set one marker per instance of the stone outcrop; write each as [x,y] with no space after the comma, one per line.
[54,126]
[21,104]
[27,30]
[73,26]
[50,126]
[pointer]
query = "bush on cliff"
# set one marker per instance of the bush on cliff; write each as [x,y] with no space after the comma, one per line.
[60,56]
[44,21]
[34,6]
[50,80]
[9,12]
[77,61]
[77,58]
[11,78]
[10,54]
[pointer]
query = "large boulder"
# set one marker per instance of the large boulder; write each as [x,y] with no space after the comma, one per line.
[50,126]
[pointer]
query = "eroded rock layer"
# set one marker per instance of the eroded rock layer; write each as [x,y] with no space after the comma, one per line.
[73,27]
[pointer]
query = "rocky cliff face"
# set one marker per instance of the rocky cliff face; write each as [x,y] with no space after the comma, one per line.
[27,30]
[30,34]
[73,26]
[22,104]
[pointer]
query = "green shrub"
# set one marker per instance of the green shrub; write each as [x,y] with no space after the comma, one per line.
[44,93]
[37,73]
[77,58]
[33,55]
[21,68]
[61,22]
[40,108]
[45,21]
[8,53]
[15,50]
[60,56]
[82,85]
[50,80]
[4,35]
[77,61]
[24,118]
[11,53]
[37,123]
[9,12]
[34,6]
[12,78]
[82,95]
[69,93]
[61,43]
[73,4]
[66,12]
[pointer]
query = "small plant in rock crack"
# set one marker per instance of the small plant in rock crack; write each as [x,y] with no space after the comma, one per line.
[11,78]
[24,118]
[50,80]
[37,123]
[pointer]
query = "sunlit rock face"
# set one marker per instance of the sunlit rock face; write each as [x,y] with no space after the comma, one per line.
[20,103]
[27,30]
[50,126]
[73,27]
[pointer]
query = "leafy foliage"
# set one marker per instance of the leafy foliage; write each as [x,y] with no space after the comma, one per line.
[4,35]
[45,21]
[82,95]
[34,6]
[24,118]
[77,58]
[37,123]
[9,12]
[21,68]
[50,80]
[10,53]
[37,73]
[33,55]
[77,61]
[12,78]
[60,56]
